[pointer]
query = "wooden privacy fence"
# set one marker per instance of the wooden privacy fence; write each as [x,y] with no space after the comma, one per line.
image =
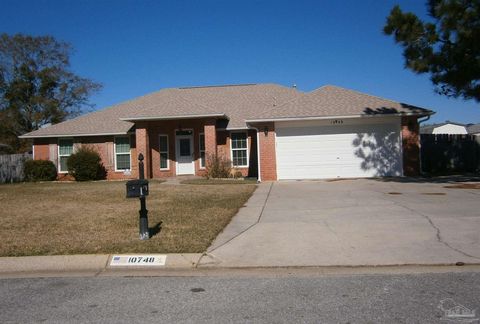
[446,154]
[11,167]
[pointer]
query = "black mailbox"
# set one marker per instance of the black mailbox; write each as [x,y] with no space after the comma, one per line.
[137,188]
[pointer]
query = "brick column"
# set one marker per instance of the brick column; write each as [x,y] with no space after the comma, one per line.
[142,146]
[268,162]
[210,138]
[411,146]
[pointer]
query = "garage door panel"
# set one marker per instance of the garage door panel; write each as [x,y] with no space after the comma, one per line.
[334,130]
[317,152]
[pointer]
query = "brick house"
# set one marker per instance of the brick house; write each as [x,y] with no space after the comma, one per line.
[266,131]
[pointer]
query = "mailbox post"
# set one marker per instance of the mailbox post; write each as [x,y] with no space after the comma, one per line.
[139,188]
[144,235]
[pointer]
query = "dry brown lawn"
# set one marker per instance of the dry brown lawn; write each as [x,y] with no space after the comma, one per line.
[95,217]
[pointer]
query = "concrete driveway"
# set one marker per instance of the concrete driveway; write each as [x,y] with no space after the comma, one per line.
[351,223]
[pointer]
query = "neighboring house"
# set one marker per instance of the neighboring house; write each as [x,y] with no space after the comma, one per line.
[326,133]
[473,129]
[447,127]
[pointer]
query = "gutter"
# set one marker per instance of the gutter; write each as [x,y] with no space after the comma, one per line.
[333,117]
[259,171]
[71,135]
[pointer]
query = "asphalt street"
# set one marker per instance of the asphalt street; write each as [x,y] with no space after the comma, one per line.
[351,298]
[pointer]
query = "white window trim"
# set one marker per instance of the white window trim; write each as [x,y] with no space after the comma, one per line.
[200,152]
[232,149]
[115,153]
[59,155]
[167,151]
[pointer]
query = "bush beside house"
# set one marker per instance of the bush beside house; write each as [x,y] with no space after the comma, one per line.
[86,165]
[40,170]
[218,167]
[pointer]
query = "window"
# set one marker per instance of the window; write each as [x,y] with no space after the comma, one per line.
[201,144]
[239,149]
[122,153]
[184,147]
[163,148]
[65,149]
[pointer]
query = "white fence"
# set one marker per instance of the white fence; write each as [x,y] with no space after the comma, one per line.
[11,167]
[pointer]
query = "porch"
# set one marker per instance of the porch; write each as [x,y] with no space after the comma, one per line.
[183,147]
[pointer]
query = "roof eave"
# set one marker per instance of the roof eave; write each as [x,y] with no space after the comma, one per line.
[338,116]
[26,136]
[151,118]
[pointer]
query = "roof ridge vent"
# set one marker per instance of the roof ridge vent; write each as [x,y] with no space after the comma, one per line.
[219,86]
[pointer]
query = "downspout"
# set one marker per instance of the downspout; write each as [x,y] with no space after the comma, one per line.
[259,178]
[424,120]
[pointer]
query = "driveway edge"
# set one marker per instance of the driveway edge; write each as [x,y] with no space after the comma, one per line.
[247,217]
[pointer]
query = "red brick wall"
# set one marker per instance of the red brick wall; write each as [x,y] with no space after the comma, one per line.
[142,135]
[411,146]
[210,138]
[168,128]
[146,141]
[102,144]
[268,163]
[222,146]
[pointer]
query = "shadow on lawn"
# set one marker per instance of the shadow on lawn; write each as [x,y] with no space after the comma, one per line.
[152,231]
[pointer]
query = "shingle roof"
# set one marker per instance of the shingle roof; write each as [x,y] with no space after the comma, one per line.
[473,129]
[102,122]
[427,129]
[335,101]
[238,103]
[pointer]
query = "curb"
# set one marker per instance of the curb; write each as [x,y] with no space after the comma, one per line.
[86,263]
[188,265]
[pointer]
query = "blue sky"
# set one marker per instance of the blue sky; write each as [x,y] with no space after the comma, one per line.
[137,47]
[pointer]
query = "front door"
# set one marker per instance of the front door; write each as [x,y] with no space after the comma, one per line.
[184,152]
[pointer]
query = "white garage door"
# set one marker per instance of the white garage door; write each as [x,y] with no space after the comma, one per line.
[346,148]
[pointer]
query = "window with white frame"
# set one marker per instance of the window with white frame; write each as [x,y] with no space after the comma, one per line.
[239,147]
[122,153]
[65,149]
[163,149]
[201,149]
